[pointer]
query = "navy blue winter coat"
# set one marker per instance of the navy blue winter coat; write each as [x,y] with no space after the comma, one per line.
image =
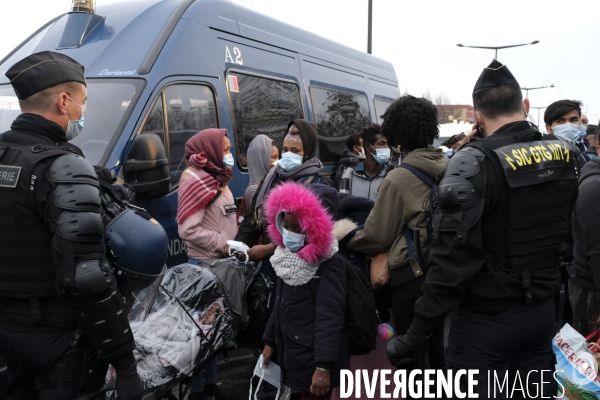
[307,330]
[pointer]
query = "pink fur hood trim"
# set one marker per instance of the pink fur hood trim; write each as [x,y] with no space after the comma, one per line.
[315,222]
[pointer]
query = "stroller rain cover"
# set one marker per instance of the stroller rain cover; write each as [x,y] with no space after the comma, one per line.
[178,323]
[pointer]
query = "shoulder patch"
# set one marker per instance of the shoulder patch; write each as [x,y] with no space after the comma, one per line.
[536,162]
[9,176]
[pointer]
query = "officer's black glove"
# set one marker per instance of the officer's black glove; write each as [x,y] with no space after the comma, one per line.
[408,351]
[128,384]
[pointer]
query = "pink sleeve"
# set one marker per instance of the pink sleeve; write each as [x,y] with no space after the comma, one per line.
[191,231]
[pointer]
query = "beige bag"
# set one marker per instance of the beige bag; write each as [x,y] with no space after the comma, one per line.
[379,271]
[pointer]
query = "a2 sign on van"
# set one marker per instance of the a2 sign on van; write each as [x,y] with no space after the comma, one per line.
[238,56]
[177,247]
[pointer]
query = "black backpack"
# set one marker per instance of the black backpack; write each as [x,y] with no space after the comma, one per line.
[360,314]
[412,236]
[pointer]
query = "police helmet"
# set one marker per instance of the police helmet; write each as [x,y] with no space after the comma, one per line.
[138,249]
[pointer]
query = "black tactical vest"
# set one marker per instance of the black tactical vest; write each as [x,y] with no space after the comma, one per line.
[26,264]
[525,239]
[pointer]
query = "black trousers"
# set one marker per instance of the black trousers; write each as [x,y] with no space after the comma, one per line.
[31,365]
[513,343]
[404,298]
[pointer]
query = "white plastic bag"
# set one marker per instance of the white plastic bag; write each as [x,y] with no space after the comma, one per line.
[577,369]
[238,247]
[271,374]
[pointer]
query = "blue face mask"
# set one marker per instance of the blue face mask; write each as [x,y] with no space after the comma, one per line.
[582,131]
[293,241]
[382,156]
[74,127]
[290,161]
[228,161]
[567,131]
[450,153]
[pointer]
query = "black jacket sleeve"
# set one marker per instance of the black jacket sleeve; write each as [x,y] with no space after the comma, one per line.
[587,213]
[248,232]
[330,304]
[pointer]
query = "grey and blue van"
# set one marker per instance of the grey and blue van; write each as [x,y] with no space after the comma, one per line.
[159,71]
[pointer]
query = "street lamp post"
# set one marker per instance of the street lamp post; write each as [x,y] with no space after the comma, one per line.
[539,108]
[370,29]
[526,89]
[496,48]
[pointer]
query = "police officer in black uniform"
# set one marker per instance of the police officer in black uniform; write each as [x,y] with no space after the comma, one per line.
[505,204]
[57,290]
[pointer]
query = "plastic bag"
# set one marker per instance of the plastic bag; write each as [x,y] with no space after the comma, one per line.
[271,374]
[577,369]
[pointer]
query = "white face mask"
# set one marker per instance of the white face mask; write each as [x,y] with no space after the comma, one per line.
[74,127]
[228,161]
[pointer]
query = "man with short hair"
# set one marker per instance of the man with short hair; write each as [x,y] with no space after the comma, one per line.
[59,303]
[590,137]
[563,119]
[364,179]
[584,120]
[503,220]
[354,147]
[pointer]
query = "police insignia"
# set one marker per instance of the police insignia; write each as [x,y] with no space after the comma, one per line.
[537,162]
[9,176]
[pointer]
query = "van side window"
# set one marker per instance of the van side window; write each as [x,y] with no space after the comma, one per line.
[155,122]
[337,115]
[261,106]
[380,107]
[190,109]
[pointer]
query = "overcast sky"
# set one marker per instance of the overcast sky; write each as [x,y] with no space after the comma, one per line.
[420,37]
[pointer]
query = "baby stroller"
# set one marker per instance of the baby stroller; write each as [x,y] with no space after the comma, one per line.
[181,321]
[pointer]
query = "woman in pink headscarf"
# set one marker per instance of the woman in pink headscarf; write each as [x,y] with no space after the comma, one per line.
[206,218]
[206,213]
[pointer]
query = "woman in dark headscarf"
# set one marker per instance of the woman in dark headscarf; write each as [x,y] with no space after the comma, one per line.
[299,163]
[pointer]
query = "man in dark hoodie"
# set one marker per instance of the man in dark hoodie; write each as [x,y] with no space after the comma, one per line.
[410,123]
[584,287]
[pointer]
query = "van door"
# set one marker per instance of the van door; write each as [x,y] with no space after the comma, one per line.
[179,111]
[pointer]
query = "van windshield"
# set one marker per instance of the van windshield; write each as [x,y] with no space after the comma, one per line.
[109,103]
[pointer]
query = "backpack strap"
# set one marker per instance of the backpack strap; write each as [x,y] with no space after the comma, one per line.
[408,233]
[420,174]
[409,243]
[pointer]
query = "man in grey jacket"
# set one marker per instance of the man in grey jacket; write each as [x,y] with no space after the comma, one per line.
[364,179]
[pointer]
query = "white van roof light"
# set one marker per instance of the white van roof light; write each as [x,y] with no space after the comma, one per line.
[86,6]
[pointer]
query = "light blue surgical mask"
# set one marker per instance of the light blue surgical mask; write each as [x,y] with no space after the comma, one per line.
[382,156]
[290,161]
[228,161]
[450,153]
[567,131]
[293,241]
[582,131]
[74,127]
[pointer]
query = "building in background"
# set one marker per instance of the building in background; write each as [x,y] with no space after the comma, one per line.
[455,113]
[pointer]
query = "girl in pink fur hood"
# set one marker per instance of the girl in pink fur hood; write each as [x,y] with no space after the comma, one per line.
[308,317]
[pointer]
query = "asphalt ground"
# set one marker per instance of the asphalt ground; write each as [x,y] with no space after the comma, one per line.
[236,370]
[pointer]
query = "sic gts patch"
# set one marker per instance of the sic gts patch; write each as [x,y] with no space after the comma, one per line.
[536,162]
[9,176]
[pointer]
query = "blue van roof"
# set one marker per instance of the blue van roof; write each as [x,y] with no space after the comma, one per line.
[135,32]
